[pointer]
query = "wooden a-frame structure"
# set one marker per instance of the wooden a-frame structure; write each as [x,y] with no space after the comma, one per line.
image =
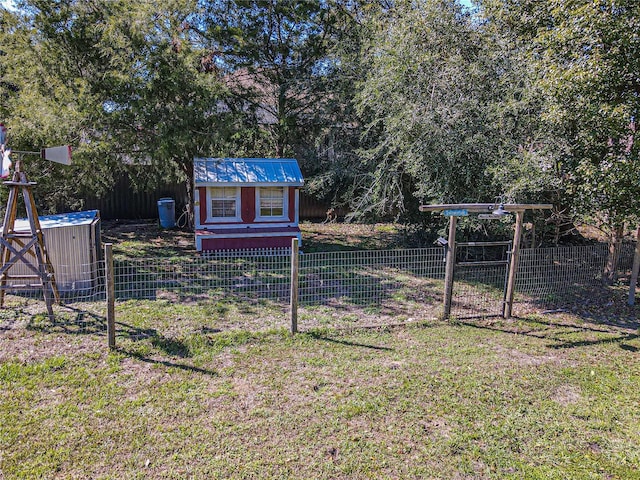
[23,246]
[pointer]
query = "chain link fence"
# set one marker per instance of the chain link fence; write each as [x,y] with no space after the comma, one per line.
[346,288]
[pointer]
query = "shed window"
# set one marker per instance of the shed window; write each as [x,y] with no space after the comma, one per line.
[271,202]
[223,202]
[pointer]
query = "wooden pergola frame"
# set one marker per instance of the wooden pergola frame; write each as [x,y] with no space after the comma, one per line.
[483,208]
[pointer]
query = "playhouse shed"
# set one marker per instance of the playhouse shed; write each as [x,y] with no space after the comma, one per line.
[246,203]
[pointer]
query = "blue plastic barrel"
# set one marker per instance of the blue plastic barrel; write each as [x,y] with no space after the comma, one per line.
[167,212]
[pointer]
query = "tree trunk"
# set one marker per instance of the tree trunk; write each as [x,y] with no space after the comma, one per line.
[634,271]
[187,168]
[610,274]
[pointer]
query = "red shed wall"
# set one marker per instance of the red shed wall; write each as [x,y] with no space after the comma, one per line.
[247,206]
[209,244]
[202,196]
[292,204]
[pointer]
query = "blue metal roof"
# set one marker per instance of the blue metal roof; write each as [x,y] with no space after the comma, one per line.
[61,220]
[247,171]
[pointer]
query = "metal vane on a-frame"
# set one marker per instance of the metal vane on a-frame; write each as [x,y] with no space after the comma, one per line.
[23,246]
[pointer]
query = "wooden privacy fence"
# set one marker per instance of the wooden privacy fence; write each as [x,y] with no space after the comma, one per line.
[124,202]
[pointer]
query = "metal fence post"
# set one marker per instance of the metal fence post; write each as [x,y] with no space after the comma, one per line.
[110,291]
[294,284]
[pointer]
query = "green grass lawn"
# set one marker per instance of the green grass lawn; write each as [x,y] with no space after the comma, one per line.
[216,388]
[538,398]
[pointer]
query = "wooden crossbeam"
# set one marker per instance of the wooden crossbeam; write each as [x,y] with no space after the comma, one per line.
[485,207]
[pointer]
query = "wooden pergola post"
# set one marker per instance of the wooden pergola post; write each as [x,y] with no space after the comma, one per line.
[111,295]
[507,306]
[450,266]
[453,210]
[293,300]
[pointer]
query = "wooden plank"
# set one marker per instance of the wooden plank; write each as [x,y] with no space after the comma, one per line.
[23,277]
[485,263]
[485,207]
[19,183]
[35,247]
[111,295]
[7,227]
[18,255]
[41,249]
[449,267]
[23,286]
[513,267]
[22,246]
[34,222]
[499,243]
[18,235]
[295,256]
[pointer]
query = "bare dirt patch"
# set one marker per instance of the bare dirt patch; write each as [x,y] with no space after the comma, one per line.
[145,238]
[320,237]
[26,343]
[567,395]
[525,359]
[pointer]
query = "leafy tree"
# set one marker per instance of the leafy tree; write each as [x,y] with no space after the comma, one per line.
[7,88]
[585,56]
[426,96]
[527,167]
[42,109]
[163,102]
[132,79]
[282,66]
[333,162]
[268,51]
[159,83]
